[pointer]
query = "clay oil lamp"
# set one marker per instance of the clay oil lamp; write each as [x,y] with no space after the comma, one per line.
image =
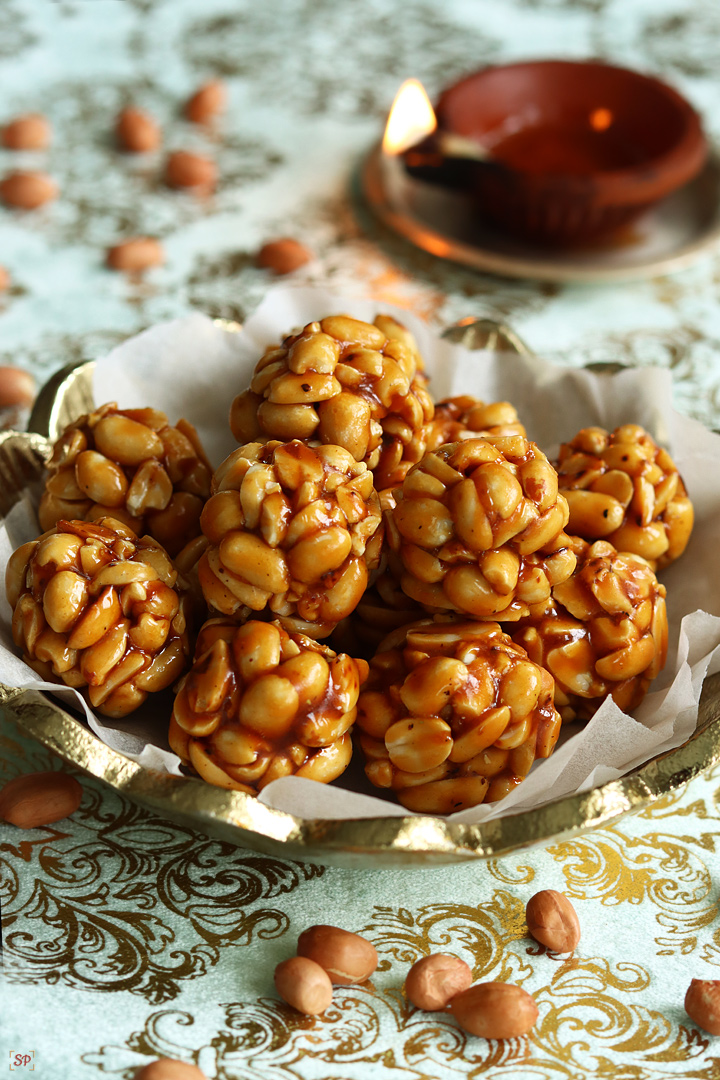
[553,152]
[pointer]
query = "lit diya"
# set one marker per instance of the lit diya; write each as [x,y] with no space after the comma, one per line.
[556,152]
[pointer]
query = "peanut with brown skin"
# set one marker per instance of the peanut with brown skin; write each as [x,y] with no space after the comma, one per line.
[27,190]
[17,387]
[186,170]
[5,279]
[435,980]
[169,1069]
[282,256]
[553,921]
[207,102]
[137,131]
[495,1010]
[28,132]
[702,1004]
[347,958]
[304,985]
[39,799]
[136,254]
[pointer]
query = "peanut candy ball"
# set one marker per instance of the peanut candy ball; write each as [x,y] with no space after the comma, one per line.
[346,382]
[606,634]
[292,529]
[95,606]
[478,526]
[622,487]
[466,417]
[129,464]
[454,714]
[260,703]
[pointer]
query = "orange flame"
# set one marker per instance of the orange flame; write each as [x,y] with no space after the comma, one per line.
[601,119]
[411,118]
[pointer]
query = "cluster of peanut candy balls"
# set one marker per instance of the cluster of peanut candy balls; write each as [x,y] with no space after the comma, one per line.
[495,594]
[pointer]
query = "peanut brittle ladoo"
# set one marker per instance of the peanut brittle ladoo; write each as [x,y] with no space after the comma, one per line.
[96,607]
[292,529]
[345,382]
[478,526]
[454,714]
[622,487]
[130,464]
[260,703]
[605,633]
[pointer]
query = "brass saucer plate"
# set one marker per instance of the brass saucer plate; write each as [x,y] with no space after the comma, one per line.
[240,819]
[682,229]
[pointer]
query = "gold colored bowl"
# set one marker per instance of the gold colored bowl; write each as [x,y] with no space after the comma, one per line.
[243,820]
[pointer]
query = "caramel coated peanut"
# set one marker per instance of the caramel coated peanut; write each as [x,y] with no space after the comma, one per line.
[38,799]
[304,985]
[495,1010]
[435,980]
[553,921]
[347,957]
[702,1004]
[169,1069]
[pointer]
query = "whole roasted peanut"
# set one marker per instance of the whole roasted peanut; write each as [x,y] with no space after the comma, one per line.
[434,980]
[39,799]
[137,131]
[347,958]
[305,985]
[27,190]
[184,169]
[702,1004]
[553,921]
[495,1010]
[283,256]
[136,254]
[17,387]
[169,1069]
[207,102]
[28,132]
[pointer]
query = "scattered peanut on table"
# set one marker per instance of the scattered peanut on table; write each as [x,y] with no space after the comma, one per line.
[136,254]
[28,132]
[702,1004]
[137,131]
[282,256]
[207,102]
[169,1069]
[495,1010]
[553,921]
[39,798]
[27,190]
[347,958]
[435,980]
[17,387]
[304,985]
[186,170]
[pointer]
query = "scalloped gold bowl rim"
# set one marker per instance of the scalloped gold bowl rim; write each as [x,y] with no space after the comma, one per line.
[243,820]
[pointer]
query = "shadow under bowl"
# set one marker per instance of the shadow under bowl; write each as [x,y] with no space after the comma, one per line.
[574,149]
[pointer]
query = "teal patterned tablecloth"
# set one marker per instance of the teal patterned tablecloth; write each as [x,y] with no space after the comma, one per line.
[127,937]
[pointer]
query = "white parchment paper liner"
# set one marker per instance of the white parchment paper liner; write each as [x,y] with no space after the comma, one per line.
[192,368]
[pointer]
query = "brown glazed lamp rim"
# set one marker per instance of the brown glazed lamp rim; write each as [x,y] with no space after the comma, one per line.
[638,184]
